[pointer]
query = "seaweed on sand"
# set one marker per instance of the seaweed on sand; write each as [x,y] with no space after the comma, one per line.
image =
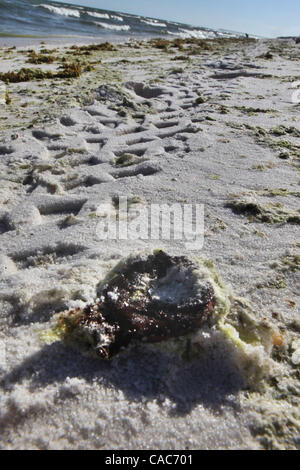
[7,98]
[67,70]
[104,46]
[272,213]
[126,159]
[180,43]
[35,58]
[73,70]
[25,75]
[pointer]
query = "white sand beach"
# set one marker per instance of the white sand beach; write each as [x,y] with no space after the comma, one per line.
[187,121]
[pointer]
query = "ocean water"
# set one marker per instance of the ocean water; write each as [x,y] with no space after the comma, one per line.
[44,19]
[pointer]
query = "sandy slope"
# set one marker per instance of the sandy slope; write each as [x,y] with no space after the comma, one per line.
[59,161]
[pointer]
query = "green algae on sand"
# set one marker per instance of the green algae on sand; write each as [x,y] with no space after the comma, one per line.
[273,213]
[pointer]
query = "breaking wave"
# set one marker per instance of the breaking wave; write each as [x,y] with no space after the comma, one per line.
[118,18]
[47,18]
[61,11]
[113,27]
[154,23]
[98,15]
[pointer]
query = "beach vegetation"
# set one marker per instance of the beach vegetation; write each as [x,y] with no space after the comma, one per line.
[178,43]
[272,213]
[7,98]
[192,46]
[258,131]
[277,283]
[87,67]
[259,167]
[284,144]
[283,130]
[93,215]
[291,263]
[224,109]
[126,159]
[277,192]
[68,70]
[253,111]
[284,155]
[176,70]
[35,58]
[162,44]
[24,75]
[182,57]
[104,46]
[47,51]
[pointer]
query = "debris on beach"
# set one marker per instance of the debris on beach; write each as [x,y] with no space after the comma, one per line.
[272,213]
[109,93]
[67,70]
[148,299]
[174,301]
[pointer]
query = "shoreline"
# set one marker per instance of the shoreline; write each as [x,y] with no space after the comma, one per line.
[61,40]
[211,122]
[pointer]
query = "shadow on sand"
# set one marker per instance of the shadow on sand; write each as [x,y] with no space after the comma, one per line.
[142,373]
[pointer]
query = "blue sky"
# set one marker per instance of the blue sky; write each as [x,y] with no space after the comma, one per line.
[263,17]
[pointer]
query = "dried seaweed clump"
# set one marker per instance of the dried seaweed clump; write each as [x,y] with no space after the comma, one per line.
[180,43]
[148,299]
[272,213]
[35,58]
[73,70]
[127,159]
[25,75]
[7,98]
[104,46]
[290,263]
[67,70]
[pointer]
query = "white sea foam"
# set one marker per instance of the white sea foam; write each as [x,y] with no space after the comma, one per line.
[199,34]
[227,34]
[154,23]
[115,27]
[194,33]
[98,15]
[130,16]
[118,18]
[61,11]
